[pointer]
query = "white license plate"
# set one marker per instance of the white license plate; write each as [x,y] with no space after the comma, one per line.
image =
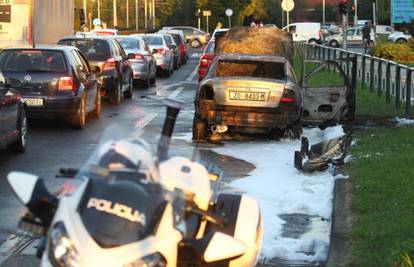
[33,102]
[247,96]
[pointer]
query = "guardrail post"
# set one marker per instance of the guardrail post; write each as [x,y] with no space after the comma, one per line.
[347,63]
[319,52]
[314,52]
[379,78]
[398,86]
[371,74]
[388,82]
[364,75]
[408,94]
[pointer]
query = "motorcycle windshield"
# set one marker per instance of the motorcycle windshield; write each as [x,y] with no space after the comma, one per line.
[124,204]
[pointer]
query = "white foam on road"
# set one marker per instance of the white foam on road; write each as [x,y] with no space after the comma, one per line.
[281,189]
[404,121]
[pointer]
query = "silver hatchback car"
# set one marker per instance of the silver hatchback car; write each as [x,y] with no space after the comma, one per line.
[162,53]
[143,63]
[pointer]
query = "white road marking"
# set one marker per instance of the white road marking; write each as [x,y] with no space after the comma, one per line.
[195,55]
[192,75]
[176,92]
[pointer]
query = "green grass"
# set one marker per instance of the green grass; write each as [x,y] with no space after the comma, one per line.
[382,179]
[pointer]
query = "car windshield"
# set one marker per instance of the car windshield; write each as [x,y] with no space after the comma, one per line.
[250,68]
[129,43]
[93,49]
[210,48]
[153,40]
[32,61]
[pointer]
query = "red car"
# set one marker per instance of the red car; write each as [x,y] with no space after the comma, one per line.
[206,59]
[180,41]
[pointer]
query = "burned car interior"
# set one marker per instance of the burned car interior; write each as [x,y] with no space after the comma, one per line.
[248,68]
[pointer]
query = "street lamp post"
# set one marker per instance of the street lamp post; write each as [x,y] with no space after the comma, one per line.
[127,14]
[146,14]
[323,12]
[85,13]
[136,15]
[115,15]
[153,14]
[99,9]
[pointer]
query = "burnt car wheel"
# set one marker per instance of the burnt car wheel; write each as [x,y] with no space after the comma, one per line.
[21,144]
[199,129]
[128,93]
[79,119]
[294,130]
[96,113]
[116,96]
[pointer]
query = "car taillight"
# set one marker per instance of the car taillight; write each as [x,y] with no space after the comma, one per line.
[139,57]
[161,51]
[66,84]
[288,96]
[206,60]
[110,64]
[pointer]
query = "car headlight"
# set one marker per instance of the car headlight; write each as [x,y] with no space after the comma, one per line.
[62,252]
[153,260]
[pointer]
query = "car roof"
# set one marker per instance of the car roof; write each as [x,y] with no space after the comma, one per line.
[89,37]
[43,47]
[231,56]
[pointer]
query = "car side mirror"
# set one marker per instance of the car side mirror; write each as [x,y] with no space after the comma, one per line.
[154,51]
[131,56]
[32,192]
[97,69]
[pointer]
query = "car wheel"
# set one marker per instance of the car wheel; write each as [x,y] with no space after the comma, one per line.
[21,144]
[294,130]
[98,105]
[195,43]
[334,43]
[176,65]
[184,61]
[401,41]
[79,119]
[199,129]
[116,96]
[313,42]
[128,93]
[153,80]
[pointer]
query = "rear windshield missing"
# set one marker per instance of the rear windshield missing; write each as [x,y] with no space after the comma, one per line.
[250,68]
[94,50]
[129,43]
[153,40]
[32,61]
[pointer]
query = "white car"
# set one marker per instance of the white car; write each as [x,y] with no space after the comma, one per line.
[310,32]
[353,37]
[399,37]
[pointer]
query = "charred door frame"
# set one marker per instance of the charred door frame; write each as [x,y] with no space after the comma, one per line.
[350,82]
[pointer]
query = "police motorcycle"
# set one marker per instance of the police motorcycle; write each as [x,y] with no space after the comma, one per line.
[133,209]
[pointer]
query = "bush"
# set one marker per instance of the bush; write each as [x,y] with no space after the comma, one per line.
[403,53]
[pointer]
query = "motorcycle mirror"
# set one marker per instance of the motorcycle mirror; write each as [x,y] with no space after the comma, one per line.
[32,192]
[173,108]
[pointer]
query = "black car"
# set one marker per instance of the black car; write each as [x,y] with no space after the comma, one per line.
[13,122]
[54,81]
[106,53]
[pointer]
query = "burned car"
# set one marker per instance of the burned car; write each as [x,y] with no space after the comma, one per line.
[248,94]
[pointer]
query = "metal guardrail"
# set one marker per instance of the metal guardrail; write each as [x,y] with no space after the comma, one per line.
[386,78]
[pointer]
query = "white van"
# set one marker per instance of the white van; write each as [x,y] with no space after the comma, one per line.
[309,32]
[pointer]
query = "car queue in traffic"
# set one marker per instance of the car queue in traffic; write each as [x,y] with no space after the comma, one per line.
[68,81]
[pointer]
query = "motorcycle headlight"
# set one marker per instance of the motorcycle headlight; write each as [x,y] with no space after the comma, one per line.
[62,253]
[153,260]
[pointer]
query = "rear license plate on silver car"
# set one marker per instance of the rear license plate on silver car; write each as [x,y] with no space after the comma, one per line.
[247,96]
[33,102]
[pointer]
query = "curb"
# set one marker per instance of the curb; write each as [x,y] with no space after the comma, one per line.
[338,249]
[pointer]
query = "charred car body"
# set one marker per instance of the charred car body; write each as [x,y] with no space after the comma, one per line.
[248,94]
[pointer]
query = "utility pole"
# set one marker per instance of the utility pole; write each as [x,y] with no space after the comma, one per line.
[136,15]
[127,14]
[115,15]
[199,19]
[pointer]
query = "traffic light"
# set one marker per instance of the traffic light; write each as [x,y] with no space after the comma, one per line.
[353,10]
[343,7]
